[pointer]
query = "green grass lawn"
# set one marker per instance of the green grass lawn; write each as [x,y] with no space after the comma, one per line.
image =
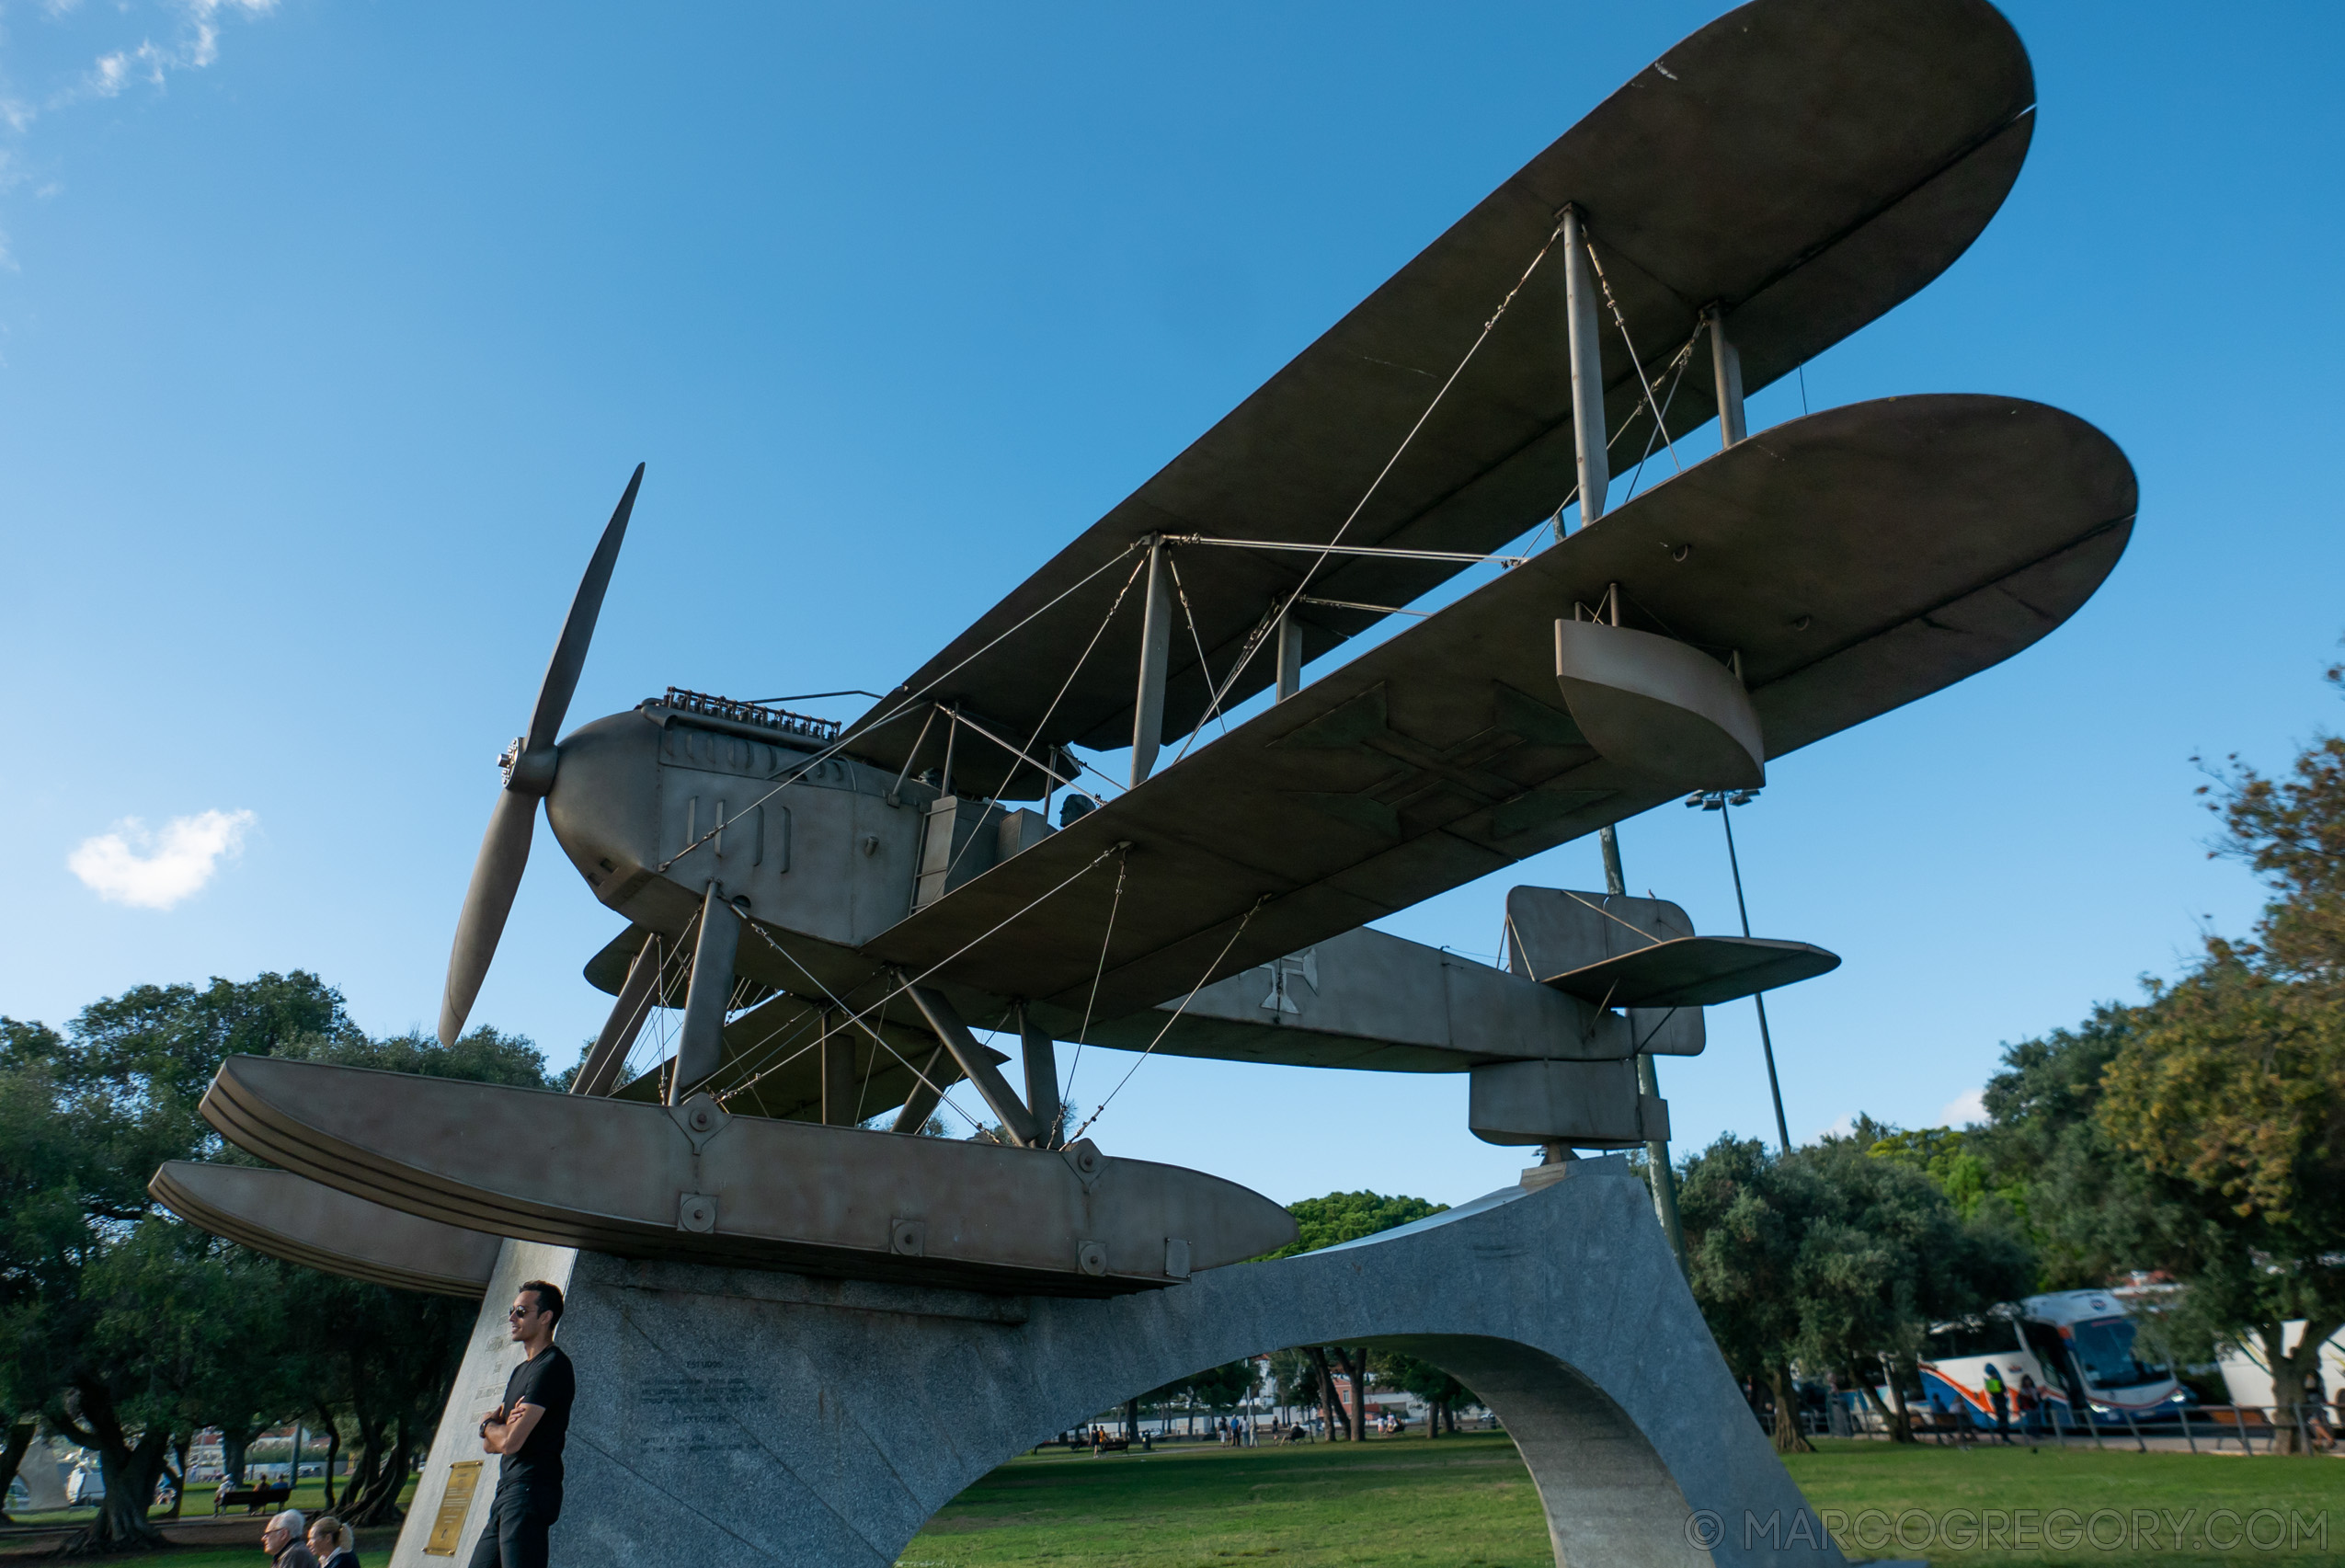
[1405,1500]
[309,1496]
[1877,1479]
[374,1545]
[1467,1500]
[1460,1500]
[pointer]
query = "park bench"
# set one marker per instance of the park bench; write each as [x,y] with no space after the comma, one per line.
[252,1498]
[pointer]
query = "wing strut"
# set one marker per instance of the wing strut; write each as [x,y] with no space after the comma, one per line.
[978,1066]
[1586,352]
[1156,654]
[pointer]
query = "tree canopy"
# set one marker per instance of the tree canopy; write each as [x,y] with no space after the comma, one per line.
[1347,1216]
[128,1331]
[2201,1132]
[1838,1255]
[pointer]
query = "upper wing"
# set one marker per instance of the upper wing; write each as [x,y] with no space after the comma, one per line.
[1807,164]
[1854,560]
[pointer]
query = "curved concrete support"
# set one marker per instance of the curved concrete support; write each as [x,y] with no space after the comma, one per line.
[726,1414]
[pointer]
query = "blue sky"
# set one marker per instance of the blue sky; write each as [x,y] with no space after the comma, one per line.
[330,331]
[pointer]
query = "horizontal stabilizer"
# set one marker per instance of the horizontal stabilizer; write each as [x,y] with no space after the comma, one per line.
[1695,971]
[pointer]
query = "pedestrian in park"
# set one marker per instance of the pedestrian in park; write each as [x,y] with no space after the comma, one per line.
[528,1431]
[2315,1401]
[2028,1401]
[332,1542]
[283,1541]
[2000,1398]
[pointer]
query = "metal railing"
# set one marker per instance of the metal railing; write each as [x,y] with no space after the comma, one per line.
[2252,1430]
[822,729]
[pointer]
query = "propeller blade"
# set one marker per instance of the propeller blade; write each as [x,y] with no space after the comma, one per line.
[530,766]
[561,680]
[496,876]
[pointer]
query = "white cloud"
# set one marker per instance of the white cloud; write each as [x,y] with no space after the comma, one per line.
[1845,1127]
[1965,1109]
[154,871]
[80,55]
[195,45]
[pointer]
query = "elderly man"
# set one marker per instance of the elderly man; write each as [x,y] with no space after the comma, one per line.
[282,1542]
[527,1430]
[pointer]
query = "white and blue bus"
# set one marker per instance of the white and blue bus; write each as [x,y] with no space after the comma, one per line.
[2080,1348]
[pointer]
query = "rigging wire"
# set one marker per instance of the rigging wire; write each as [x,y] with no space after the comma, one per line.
[1181,591]
[1643,385]
[1254,642]
[1213,706]
[1373,609]
[856,1019]
[1649,939]
[1043,724]
[654,950]
[904,985]
[1066,1096]
[746,1069]
[1260,900]
[1303,547]
[912,700]
[914,755]
[1683,357]
[810,696]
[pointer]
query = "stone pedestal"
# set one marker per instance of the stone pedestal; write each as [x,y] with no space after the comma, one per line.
[731,1414]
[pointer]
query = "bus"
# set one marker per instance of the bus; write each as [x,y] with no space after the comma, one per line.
[2079,1345]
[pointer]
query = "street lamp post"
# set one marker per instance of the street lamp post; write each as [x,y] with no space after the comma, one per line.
[1664,1183]
[1718,801]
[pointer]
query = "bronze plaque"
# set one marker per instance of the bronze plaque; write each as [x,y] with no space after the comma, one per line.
[448,1525]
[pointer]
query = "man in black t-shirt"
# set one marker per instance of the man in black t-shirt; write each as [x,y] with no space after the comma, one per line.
[527,1430]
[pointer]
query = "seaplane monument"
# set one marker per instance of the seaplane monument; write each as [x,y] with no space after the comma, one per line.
[802,1324]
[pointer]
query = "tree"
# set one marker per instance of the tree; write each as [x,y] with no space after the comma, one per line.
[1894,1254]
[1946,1157]
[121,1323]
[1214,1389]
[2083,1205]
[2291,832]
[1744,1212]
[131,1329]
[1347,1216]
[162,1327]
[1441,1392]
[42,1177]
[382,1360]
[379,1362]
[2203,1131]
[2231,1094]
[1835,1256]
[1330,1221]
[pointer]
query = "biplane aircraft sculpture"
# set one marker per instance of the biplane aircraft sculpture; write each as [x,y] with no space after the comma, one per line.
[837,910]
